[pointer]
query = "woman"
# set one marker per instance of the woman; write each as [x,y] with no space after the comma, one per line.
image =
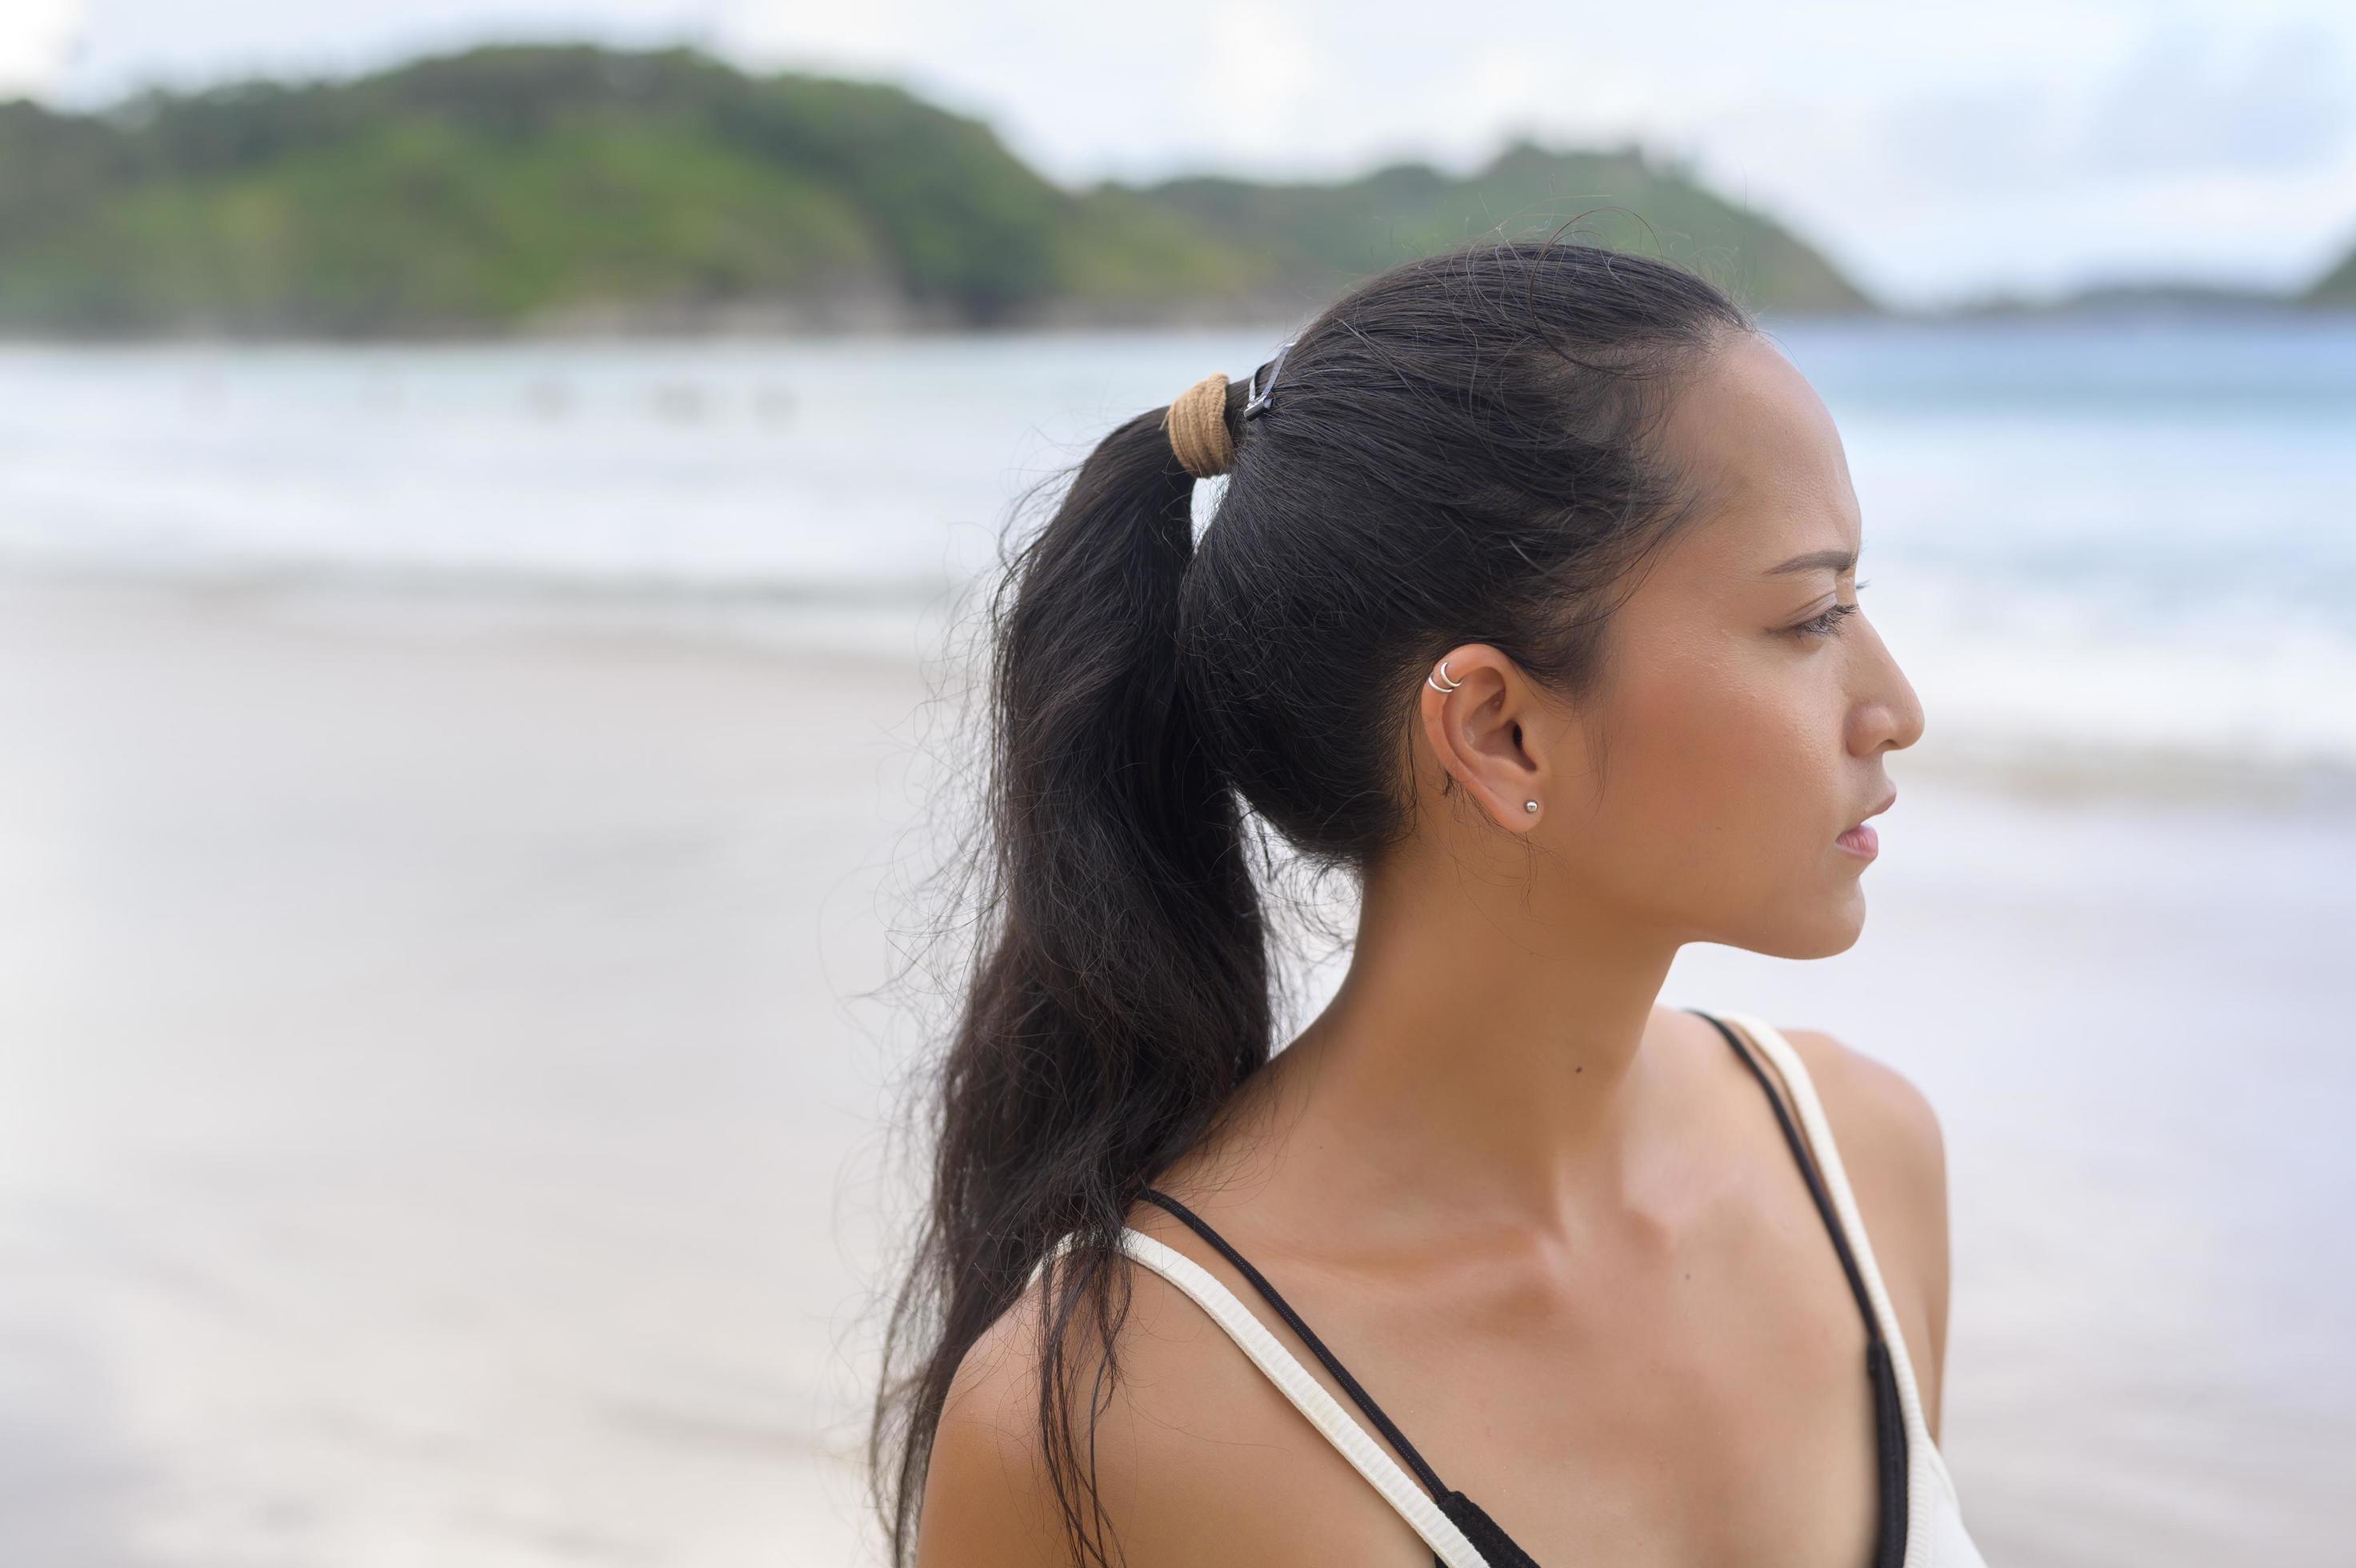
[1529,602]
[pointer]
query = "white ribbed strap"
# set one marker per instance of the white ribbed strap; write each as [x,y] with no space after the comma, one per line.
[1308,1395]
[1931,1511]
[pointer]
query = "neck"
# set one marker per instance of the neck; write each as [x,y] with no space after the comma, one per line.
[1481,1063]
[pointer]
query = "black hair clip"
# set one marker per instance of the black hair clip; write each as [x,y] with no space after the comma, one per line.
[1263,395]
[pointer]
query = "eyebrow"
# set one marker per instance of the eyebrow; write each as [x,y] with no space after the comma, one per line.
[1834,561]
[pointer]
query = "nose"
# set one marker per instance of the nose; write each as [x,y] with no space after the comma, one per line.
[1888,715]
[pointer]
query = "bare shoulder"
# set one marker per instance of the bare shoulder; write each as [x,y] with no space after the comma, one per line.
[1199,1458]
[986,1499]
[1894,1150]
[1881,1120]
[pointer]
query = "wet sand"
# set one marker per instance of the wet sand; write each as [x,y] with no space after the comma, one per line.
[440,1119]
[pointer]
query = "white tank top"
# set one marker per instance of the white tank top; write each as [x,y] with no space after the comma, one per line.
[1934,1536]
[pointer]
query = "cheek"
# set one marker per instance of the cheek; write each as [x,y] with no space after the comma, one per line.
[1717,781]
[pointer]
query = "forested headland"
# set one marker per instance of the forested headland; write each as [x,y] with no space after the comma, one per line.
[575,189]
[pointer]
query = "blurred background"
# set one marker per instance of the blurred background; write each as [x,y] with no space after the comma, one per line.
[490,496]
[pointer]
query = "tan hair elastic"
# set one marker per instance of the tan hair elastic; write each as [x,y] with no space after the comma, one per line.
[1197,423]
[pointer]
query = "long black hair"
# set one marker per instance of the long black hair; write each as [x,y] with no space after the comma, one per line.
[1463,448]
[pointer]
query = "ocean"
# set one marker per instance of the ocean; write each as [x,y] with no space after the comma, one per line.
[2091,538]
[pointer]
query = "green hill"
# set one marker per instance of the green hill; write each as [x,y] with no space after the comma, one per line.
[2337,286]
[536,188]
[1325,235]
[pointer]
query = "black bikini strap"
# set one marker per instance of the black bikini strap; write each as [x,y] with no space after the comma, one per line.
[1888,1416]
[1807,1169]
[1389,1429]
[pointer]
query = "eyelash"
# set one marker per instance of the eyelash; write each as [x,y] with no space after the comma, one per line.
[1828,624]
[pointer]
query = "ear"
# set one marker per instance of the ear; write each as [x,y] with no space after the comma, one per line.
[1481,733]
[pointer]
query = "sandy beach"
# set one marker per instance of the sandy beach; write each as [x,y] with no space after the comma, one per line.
[442,1115]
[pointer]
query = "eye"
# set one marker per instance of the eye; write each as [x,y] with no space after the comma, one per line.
[1829,623]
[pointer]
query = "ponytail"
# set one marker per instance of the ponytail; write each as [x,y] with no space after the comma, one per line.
[1121,994]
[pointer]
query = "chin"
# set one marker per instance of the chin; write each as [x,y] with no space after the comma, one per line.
[1824,930]
[1840,933]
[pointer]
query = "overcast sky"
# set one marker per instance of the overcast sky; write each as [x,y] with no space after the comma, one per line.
[1934,151]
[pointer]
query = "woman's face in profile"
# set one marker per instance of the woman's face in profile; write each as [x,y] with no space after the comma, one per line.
[1749,704]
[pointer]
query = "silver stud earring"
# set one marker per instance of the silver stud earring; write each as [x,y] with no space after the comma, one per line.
[1529,805]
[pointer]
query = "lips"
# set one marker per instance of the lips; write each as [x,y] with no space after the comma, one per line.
[1859,839]
[1887,801]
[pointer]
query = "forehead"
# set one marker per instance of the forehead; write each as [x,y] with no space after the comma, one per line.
[1759,448]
